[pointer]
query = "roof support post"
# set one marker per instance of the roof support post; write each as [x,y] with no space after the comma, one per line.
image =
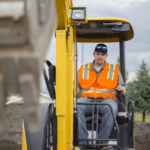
[122,63]
[61,88]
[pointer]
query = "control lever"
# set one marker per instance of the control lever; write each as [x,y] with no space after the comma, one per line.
[122,114]
[119,96]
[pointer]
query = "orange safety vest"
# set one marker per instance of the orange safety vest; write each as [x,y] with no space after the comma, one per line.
[105,84]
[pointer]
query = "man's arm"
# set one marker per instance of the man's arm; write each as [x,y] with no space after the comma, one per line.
[78,90]
[121,85]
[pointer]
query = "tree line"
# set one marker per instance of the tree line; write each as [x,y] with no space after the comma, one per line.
[138,90]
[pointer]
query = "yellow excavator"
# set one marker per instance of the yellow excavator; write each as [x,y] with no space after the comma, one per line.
[59,123]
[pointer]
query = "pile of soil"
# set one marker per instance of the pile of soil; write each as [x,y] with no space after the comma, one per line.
[142,136]
[9,145]
[11,137]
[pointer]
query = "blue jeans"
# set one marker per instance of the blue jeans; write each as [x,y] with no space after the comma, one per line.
[107,118]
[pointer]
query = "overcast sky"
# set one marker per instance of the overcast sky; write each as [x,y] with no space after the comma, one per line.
[137,12]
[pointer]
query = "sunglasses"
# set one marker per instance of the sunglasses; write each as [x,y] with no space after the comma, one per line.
[101,47]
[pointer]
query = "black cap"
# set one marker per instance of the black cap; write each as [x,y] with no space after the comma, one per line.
[101,48]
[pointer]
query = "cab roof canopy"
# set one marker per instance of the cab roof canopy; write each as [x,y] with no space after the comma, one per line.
[104,30]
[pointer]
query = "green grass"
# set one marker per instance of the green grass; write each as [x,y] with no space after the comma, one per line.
[138,117]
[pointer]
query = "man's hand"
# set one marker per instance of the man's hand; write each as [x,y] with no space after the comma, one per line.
[121,89]
[78,90]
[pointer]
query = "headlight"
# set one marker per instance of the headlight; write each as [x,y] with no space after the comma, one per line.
[78,13]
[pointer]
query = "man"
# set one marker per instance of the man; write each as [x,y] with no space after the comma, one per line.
[99,79]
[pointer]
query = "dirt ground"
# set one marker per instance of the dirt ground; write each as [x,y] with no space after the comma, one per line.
[11,137]
[142,136]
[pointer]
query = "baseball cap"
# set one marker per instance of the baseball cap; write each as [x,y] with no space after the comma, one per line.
[101,48]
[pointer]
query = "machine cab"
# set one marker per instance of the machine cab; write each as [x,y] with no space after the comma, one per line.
[108,30]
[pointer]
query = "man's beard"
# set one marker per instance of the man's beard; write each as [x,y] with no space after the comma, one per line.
[99,63]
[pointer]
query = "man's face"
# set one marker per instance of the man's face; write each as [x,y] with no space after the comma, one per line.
[99,57]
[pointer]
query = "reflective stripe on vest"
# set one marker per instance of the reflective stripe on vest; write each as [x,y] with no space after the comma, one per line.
[105,91]
[86,71]
[111,72]
[88,91]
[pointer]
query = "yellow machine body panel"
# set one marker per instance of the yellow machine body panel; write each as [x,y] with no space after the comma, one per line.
[24,142]
[65,49]
[94,26]
[65,74]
